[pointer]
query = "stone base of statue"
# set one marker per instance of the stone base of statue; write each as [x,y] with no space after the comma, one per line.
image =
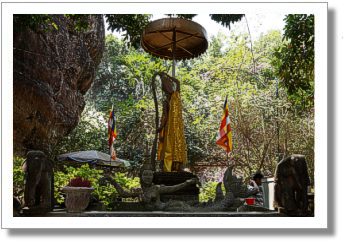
[189,194]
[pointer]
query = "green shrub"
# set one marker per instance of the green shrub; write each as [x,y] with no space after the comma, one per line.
[18,178]
[208,191]
[107,194]
[125,182]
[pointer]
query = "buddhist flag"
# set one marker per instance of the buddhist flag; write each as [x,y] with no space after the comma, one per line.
[112,133]
[224,138]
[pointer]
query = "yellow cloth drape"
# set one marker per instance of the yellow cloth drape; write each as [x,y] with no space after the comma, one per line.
[174,148]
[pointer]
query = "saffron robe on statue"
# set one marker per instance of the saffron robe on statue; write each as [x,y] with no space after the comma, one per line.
[172,148]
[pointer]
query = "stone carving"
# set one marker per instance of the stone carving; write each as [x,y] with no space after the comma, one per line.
[150,194]
[291,181]
[52,70]
[219,193]
[38,192]
[235,191]
[188,194]
[122,193]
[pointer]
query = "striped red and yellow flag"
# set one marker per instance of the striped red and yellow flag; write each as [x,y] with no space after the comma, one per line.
[112,132]
[224,137]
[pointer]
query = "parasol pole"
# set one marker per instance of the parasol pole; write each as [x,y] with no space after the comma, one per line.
[173,52]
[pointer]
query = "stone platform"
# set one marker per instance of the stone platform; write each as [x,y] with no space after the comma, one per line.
[63,213]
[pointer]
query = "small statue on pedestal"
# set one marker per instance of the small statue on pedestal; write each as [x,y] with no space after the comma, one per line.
[39,184]
[291,182]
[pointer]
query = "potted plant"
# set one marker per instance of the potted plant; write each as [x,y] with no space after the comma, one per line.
[77,195]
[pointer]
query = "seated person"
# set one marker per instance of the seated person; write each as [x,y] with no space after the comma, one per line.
[255,185]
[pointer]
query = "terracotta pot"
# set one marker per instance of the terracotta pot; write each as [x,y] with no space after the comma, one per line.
[77,198]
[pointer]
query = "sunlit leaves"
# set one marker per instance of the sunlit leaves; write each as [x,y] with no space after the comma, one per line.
[296,59]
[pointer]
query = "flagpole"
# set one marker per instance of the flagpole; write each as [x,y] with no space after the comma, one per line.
[110,156]
[110,147]
[231,165]
[227,159]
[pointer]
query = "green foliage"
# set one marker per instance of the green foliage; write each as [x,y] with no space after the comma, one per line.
[226,19]
[107,194]
[46,22]
[90,133]
[223,19]
[18,178]
[61,179]
[132,25]
[80,22]
[295,59]
[20,22]
[125,182]
[208,191]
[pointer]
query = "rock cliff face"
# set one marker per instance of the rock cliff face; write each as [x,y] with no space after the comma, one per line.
[52,70]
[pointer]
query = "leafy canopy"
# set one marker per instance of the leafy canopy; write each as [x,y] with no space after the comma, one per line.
[295,59]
